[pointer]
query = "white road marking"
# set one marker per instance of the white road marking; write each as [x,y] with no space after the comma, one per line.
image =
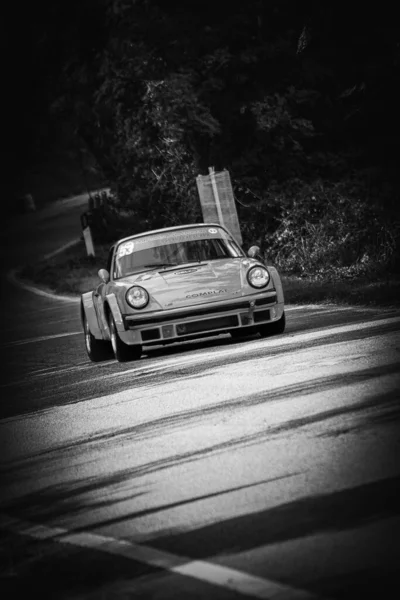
[49,372]
[13,277]
[62,248]
[45,370]
[56,371]
[232,579]
[240,582]
[290,308]
[43,338]
[330,308]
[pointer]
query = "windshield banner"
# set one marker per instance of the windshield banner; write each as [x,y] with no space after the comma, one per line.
[170,237]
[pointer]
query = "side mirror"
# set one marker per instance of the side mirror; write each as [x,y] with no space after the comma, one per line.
[254,252]
[104,275]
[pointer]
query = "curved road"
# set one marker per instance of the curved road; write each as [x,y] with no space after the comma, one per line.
[216,469]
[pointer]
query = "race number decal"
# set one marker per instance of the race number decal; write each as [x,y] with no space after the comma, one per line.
[125,249]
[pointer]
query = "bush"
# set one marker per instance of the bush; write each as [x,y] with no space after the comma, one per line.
[325,233]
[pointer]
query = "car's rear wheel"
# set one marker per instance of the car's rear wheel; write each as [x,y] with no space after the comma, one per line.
[123,352]
[97,350]
[274,328]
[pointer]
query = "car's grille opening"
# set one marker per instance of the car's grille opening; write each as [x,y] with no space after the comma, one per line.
[261,315]
[151,334]
[245,319]
[207,325]
[168,331]
[187,313]
[263,301]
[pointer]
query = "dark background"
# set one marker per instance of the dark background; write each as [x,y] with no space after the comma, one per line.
[298,100]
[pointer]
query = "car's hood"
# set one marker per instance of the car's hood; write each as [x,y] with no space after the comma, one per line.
[192,284]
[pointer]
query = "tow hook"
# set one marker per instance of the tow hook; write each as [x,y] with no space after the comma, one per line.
[251,310]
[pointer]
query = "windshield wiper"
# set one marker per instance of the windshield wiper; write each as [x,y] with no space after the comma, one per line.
[201,262]
[160,265]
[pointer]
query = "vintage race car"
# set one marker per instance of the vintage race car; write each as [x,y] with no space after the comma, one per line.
[177,284]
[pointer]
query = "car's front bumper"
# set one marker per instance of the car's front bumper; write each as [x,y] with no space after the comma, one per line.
[202,319]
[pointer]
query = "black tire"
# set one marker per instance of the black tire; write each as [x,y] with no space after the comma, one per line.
[97,350]
[123,352]
[274,328]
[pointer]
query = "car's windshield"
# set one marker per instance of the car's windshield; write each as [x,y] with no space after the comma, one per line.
[137,255]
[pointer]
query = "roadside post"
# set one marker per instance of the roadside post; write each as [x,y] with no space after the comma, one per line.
[87,234]
[97,201]
[104,200]
[218,202]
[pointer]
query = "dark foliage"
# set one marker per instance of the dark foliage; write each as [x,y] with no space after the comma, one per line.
[299,101]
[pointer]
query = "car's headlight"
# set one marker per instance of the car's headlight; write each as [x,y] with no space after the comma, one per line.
[258,277]
[137,297]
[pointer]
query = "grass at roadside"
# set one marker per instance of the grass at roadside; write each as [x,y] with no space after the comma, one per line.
[72,272]
[69,272]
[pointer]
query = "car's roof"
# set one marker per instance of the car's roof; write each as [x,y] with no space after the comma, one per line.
[176,228]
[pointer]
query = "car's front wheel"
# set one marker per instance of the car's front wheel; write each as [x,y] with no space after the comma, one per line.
[123,352]
[97,350]
[274,328]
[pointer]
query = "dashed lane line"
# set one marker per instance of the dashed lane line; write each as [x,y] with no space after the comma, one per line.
[218,575]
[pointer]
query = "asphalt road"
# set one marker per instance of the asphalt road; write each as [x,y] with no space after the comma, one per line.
[216,469]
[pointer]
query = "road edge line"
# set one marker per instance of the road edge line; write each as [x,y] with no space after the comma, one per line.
[214,574]
[13,277]
[73,242]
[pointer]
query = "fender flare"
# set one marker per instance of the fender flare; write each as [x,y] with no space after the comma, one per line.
[116,312]
[277,283]
[88,310]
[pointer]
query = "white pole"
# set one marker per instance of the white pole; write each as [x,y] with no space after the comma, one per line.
[216,196]
[87,236]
